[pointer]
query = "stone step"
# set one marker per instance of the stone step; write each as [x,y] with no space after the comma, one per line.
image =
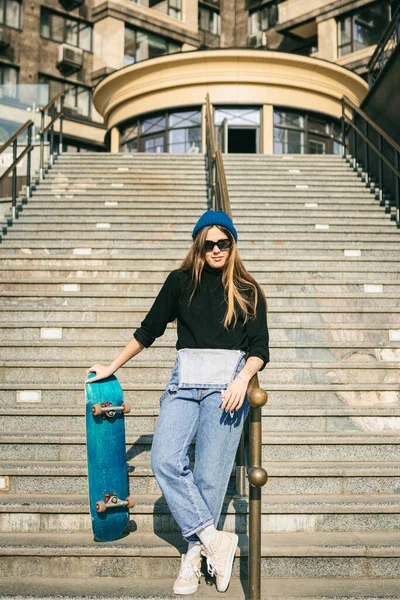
[363,371]
[173,258]
[301,398]
[300,289]
[121,332]
[161,191]
[365,231]
[66,555]
[97,299]
[301,478]
[148,588]
[116,212]
[334,446]
[84,177]
[293,315]
[50,512]
[284,351]
[141,419]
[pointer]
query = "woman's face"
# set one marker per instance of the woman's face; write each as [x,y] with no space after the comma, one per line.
[216,257]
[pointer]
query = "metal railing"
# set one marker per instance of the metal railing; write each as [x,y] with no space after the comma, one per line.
[13,141]
[384,49]
[257,475]
[376,153]
[51,111]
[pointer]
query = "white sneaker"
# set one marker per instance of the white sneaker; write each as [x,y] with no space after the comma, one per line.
[188,579]
[220,557]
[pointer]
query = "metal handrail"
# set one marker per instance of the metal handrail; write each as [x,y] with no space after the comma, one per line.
[54,117]
[257,475]
[369,146]
[383,51]
[13,140]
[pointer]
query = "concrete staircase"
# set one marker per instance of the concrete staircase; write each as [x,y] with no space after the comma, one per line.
[79,270]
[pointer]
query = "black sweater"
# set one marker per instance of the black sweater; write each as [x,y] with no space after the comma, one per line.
[199,324]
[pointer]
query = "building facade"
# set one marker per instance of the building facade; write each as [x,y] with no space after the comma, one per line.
[99,52]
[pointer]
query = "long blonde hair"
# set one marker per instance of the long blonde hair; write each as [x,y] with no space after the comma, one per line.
[235,277]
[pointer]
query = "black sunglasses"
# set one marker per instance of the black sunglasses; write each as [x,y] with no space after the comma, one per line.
[223,244]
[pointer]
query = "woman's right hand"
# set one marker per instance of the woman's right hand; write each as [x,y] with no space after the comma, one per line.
[102,371]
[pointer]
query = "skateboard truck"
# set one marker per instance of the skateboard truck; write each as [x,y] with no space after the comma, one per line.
[112,501]
[107,410]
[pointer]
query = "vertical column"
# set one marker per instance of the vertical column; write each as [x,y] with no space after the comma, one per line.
[203,128]
[114,140]
[267,133]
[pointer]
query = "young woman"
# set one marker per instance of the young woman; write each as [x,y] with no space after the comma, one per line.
[221,315]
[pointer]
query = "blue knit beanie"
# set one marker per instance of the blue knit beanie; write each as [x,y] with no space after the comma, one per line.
[215,217]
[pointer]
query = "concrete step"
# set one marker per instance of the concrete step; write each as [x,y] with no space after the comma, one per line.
[365,231]
[323,287]
[290,478]
[350,446]
[107,351]
[141,419]
[139,588]
[296,316]
[282,513]
[346,397]
[344,555]
[366,370]
[99,298]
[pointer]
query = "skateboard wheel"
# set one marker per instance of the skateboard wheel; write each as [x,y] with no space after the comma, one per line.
[131,501]
[101,506]
[127,407]
[96,410]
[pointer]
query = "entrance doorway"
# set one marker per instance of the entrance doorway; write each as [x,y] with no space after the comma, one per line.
[242,140]
[237,129]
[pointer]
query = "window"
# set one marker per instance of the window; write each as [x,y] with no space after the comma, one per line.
[263,18]
[173,8]
[209,20]
[174,132]
[10,13]
[140,45]
[362,28]
[8,81]
[300,133]
[77,97]
[59,28]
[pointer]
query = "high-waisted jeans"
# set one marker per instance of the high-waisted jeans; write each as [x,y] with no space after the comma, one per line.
[195,498]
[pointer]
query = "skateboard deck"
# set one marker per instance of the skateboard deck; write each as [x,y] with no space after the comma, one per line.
[106,457]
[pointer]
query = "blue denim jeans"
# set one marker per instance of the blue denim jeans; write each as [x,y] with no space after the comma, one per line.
[195,498]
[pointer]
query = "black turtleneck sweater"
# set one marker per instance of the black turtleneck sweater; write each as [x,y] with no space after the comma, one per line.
[199,324]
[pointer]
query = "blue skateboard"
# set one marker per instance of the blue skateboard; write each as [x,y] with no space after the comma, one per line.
[106,455]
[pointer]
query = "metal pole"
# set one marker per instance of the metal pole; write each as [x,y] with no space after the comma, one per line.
[355,142]
[28,165]
[60,139]
[380,170]
[14,181]
[396,164]
[52,115]
[41,169]
[366,156]
[343,129]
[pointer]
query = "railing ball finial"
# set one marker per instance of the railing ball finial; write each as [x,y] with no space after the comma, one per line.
[258,397]
[258,476]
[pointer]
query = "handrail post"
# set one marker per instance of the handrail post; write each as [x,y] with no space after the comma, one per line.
[257,478]
[42,134]
[52,116]
[343,129]
[380,170]
[14,181]
[366,156]
[355,141]
[60,137]
[397,198]
[28,165]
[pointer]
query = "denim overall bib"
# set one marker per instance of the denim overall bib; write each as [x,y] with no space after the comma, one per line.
[190,408]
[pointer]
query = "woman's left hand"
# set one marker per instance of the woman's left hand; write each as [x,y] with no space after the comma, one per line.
[233,396]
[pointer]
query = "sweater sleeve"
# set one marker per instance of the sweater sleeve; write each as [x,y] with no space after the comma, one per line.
[257,333]
[163,311]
